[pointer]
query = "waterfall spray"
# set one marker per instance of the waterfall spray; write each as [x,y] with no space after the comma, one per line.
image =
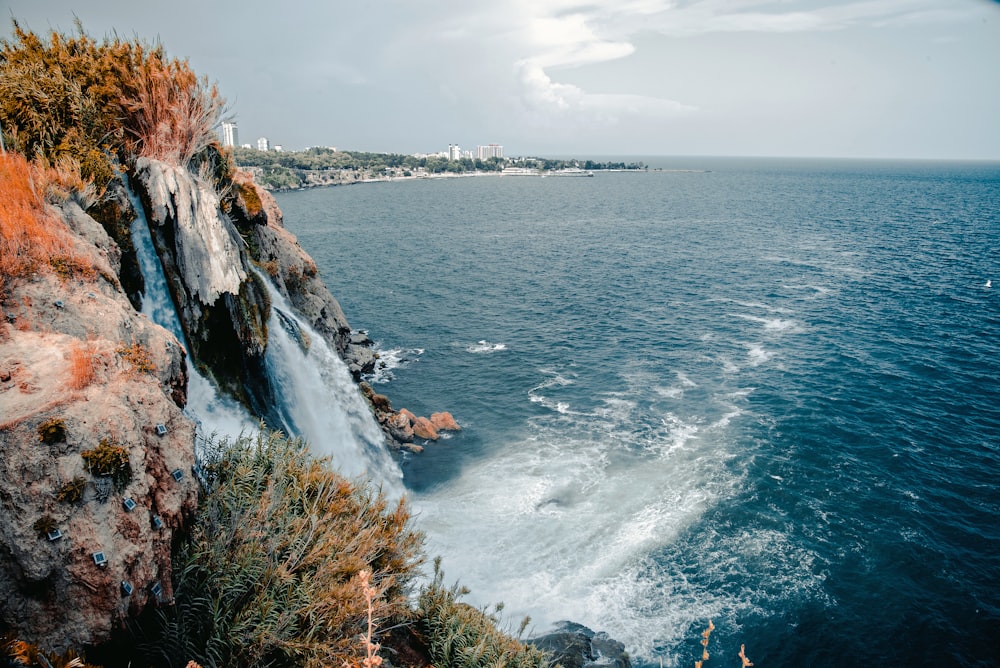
[319,401]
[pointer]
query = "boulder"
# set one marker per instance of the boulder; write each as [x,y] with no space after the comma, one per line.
[82,368]
[400,427]
[423,428]
[444,421]
[576,646]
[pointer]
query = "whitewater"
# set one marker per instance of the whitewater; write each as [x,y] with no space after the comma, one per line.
[761,392]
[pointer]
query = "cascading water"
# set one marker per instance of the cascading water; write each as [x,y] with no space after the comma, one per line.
[320,402]
[317,399]
[215,415]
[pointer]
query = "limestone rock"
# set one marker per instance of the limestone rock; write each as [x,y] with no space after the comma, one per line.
[423,428]
[206,246]
[575,646]
[290,268]
[77,355]
[223,308]
[444,421]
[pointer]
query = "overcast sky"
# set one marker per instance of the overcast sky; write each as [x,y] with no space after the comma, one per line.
[868,78]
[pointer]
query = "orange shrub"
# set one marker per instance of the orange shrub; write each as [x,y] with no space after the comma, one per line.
[31,237]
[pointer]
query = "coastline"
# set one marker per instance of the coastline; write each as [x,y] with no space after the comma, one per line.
[315,178]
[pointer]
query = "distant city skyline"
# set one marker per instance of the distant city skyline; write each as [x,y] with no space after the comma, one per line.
[809,78]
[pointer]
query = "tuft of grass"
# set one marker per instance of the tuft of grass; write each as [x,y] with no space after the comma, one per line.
[72,491]
[461,636]
[251,200]
[15,652]
[171,113]
[44,524]
[81,366]
[111,460]
[272,572]
[52,431]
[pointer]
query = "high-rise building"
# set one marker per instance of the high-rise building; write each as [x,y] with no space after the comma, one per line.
[454,152]
[263,144]
[489,151]
[230,134]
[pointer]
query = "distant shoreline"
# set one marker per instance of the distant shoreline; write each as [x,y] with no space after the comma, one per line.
[341,180]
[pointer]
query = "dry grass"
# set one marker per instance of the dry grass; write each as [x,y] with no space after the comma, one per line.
[29,234]
[102,103]
[461,636]
[31,237]
[81,366]
[705,635]
[169,110]
[138,357]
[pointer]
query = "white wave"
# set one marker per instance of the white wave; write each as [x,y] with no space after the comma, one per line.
[754,305]
[758,355]
[672,392]
[391,359]
[590,508]
[773,324]
[818,290]
[484,346]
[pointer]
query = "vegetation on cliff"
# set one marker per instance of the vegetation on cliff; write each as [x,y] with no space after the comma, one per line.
[32,239]
[270,574]
[291,564]
[286,563]
[100,104]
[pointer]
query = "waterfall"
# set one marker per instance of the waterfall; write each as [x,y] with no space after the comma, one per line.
[214,414]
[317,398]
[320,402]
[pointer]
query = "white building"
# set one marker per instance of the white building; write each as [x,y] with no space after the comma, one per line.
[454,152]
[230,134]
[489,151]
[263,144]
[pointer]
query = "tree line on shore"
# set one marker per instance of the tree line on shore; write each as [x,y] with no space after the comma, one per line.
[288,169]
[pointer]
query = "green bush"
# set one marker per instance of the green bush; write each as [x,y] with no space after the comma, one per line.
[270,575]
[461,636]
[109,459]
[52,431]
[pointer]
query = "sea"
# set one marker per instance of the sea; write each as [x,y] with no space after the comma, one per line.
[761,392]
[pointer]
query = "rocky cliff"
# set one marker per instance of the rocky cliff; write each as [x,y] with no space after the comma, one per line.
[96,454]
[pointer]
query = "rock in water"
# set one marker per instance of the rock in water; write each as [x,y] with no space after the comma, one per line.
[575,646]
[444,421]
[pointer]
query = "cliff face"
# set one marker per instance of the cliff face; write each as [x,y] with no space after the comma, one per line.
[82,372]
[96,454]
[222,307]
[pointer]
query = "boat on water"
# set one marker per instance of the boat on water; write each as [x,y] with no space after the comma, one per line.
[520,171]
[570,171]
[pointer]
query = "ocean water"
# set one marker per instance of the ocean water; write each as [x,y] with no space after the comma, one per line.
[764,392]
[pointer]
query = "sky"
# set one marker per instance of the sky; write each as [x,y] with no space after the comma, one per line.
[809,78]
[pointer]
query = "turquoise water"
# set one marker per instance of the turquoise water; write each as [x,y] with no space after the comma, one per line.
[765,393]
